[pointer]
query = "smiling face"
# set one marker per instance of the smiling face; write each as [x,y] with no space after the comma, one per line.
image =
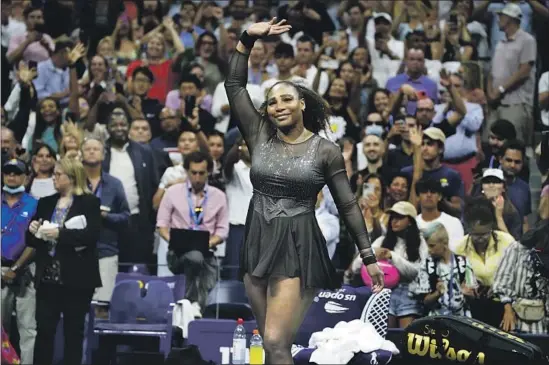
[398,190]
[373,147]
[118,125]
[43,161]
[338,89]
[381,101]
[49,111]
[98,68]
[284,106]
[207,47]
[156,47]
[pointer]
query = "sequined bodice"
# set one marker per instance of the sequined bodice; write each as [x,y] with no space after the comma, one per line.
[286,177]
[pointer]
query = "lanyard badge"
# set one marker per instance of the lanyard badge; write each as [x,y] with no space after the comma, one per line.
[196,213]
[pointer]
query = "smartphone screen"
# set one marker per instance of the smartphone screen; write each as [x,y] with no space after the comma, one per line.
[190,103]
[367,189]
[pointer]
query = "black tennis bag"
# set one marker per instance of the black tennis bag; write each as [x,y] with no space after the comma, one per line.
[460,340]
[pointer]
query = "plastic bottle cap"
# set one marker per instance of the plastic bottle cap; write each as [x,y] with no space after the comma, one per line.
[256,332]
[240,321]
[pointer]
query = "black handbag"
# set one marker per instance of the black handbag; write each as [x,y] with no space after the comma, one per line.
[462,340]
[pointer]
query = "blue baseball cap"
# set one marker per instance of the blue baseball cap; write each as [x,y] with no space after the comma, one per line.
[14,165]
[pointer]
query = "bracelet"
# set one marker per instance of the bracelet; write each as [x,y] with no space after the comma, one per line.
[248,40]
[368,256]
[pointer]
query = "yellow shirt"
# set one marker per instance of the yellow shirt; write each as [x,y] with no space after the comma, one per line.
[485,270]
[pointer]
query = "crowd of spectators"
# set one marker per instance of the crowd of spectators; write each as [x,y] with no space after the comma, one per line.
[438,107]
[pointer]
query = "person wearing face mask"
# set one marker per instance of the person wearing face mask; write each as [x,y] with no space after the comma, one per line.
[18,207]
[284,256]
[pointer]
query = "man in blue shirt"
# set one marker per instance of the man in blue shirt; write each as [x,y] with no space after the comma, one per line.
[18,208]
[428,152]
[115,214]
[518,191]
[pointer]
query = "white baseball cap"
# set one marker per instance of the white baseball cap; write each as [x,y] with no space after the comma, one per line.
[493,173]
[511,10]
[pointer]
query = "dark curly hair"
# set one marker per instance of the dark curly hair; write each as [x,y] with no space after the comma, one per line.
[316,114]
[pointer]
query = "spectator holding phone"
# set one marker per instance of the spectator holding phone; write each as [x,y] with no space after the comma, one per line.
[33,45]
[191,93]
[141,100]
[416,80]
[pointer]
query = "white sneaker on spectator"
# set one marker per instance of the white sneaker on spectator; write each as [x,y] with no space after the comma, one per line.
[197,310]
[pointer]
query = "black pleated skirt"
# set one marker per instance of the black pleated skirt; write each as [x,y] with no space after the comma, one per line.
[287,247]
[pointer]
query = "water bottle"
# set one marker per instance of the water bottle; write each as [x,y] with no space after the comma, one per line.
[239,343]
[256,349]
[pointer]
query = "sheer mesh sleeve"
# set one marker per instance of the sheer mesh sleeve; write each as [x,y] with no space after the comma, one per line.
[336,178]
[249,119]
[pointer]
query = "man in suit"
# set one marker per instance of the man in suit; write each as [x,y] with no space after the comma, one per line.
[114,213]
[135,166]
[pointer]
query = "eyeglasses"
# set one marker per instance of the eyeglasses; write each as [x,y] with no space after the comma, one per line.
[379,123]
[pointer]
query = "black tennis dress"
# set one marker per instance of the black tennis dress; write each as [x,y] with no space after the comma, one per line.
[282,235]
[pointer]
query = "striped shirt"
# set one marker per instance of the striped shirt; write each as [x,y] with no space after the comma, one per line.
[513,281]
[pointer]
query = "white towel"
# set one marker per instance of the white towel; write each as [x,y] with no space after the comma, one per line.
[183,314]
[339,345]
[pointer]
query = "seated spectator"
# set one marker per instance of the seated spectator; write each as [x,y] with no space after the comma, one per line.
[430,195]
[445,279]
[209,212]
[33,45]
[494,188]
[429,148]
[520,286]
[484,247]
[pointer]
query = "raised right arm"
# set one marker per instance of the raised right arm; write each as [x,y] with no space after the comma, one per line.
[249,119]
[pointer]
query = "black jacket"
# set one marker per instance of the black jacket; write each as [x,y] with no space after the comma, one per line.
[79,268]
[146,176]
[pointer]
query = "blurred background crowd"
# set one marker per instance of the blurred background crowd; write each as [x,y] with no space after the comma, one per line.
[439,107]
